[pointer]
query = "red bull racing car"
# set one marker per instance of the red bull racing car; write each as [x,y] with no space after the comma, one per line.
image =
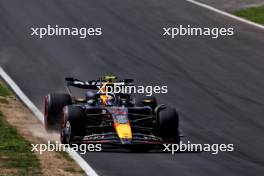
[109,118]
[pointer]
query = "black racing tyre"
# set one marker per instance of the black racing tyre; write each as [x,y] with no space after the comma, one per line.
[72,124]
[168,121]
[54,104]
[146,101]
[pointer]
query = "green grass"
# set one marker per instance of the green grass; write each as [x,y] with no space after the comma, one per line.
[16,151]
[255,14]
[4,91]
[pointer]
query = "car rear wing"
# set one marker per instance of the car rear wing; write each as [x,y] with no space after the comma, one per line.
[82,84]
[93,84]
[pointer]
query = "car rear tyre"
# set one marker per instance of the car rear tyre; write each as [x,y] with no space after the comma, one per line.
[54,104]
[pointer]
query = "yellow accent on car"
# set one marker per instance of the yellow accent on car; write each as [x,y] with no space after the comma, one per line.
[147,101]
[110,77]
[80,99]
[103,99]
[123,131]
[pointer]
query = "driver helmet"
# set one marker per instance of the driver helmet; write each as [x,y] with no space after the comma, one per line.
[107,100]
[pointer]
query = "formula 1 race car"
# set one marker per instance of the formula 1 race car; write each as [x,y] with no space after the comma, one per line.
[109,118]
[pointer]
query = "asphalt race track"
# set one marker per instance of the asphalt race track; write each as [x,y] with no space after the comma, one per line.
[217,85]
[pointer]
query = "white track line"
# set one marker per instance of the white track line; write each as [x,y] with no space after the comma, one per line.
[21,95]
[74,155]
[226,14]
